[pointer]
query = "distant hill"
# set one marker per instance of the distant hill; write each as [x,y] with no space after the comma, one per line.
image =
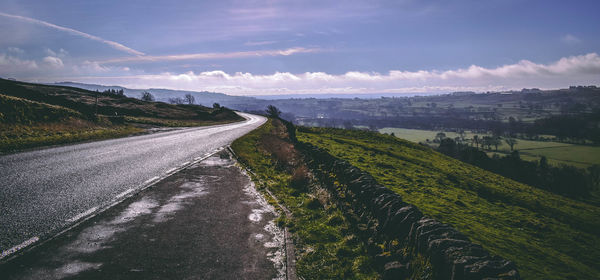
[205,98]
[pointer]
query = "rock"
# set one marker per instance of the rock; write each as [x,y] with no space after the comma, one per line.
[395,270]
[495,268]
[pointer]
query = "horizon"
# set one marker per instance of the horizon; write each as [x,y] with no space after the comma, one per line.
[282,48]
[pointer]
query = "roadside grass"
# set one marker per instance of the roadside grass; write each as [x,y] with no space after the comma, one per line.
[326,247]
[23,111]
[15,137]
[174,123]
[547,235]
[35,115]
[581,156]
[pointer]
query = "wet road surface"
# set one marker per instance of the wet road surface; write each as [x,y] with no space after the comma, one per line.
[45,191]
[204,222]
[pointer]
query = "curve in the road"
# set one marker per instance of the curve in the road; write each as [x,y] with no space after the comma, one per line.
[44,191]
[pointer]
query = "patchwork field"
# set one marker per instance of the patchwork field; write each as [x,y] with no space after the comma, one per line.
[581,156]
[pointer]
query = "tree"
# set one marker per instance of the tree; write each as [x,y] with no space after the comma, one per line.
[189,99]
[146,96]
[487,141]
[273,112]
[462,134]
[439,137]
[511,142]
[216,106]
[496,142]
[476,140]
[176,100]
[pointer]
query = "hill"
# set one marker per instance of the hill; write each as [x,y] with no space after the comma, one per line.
[205,98]
[34,115]
[547,235]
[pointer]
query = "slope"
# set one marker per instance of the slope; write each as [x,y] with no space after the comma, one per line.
[548,236]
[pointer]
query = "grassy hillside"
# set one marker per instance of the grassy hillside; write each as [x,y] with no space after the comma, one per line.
[33,115]
[548,236]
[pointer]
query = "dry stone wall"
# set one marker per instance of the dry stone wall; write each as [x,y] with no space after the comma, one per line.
[386,219]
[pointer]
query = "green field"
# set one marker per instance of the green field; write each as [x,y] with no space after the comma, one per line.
[581,156]
[547,235]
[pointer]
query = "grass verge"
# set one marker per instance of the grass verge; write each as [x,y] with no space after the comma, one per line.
[326,246]
[15,137]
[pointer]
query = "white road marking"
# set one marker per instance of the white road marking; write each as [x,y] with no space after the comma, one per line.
[19,247]
[81,215]
[124,193]
[185,163]
[151,180]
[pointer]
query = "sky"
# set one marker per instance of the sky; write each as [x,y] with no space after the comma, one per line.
[304,47]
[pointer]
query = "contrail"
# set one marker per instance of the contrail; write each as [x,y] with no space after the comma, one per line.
[113,44]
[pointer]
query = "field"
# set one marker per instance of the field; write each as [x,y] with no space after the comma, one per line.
[581,156]
[547,235]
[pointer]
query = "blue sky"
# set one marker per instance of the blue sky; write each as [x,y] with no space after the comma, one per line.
[287,47]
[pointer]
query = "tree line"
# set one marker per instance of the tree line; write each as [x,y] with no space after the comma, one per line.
[564,180]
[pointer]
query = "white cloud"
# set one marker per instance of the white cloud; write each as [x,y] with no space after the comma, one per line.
[570,39]
[112,44]
[582,69]
[200,56]
[53,61]
[61,52]
[16,64]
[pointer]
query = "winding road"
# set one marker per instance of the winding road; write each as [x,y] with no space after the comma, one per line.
[45,191]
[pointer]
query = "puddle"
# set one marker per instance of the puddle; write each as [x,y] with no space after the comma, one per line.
[75,267]
[140,207]
[177,202]
[94,238]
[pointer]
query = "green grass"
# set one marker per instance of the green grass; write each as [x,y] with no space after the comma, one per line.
[18,137]
[34,115]
[326,247]
[581,156]
[174,123]
[547,235]
[23,111]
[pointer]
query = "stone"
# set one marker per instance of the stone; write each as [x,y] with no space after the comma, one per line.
[395,271]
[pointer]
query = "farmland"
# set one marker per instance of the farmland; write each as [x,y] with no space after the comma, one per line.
[581,156]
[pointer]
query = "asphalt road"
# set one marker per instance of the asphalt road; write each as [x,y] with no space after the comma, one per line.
[45,191]
[206,221]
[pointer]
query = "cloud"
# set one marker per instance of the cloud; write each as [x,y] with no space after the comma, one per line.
[570,39]
[112,44]
[61,52]
[53,61]
[582,69]
[199,56]
[16,64]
